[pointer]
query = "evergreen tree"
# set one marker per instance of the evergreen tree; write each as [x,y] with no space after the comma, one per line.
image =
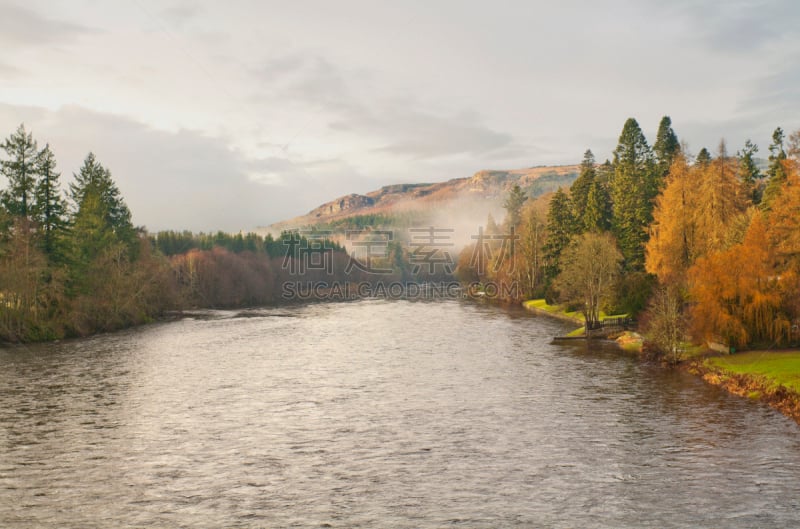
[560,229]
[513,204]
[579,192]
[94,179]
[50,209]
[633,189]
[703,157]
[491,225]
[776,170]
[750,174]
[20,170]
[101,224]
[597,216]
[666,147]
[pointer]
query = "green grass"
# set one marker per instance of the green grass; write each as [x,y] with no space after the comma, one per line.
[559,309]
[580,331]
[554,309]
[780,368]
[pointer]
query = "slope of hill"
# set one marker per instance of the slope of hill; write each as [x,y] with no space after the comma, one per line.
[478,195]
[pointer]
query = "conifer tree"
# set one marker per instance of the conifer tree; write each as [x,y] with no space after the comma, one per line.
[720,200]
[776,170]
[100,223]
[703,157]
[50,209]
[666,146]
[513,204]
[560,229]
[20,170]
[579,191]
[95,180]
[633,188]
[671,248]
[748,170]
[597,216]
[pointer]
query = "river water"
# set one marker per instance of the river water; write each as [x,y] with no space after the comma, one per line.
[378,414]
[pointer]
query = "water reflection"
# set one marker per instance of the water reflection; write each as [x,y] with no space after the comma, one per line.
[388,414]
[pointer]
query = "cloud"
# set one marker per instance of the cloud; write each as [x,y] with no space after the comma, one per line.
[20,26]
[775,96]
[7,71]
[423,136]
[181,14]
[736,27]
[401,126]
[183,180]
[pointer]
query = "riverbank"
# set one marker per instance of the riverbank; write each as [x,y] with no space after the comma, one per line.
[629,341]
[772,377]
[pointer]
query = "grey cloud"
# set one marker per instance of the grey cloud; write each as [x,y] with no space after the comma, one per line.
[7,71]
[406,129]
[183,180]
[21,26]
[420,135]
[310,80]
[776,95]
[180,14]
[746,25]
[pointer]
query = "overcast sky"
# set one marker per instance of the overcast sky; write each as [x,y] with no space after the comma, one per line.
[230,115]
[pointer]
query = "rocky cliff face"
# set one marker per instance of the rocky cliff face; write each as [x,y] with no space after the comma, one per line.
[342,205]
[489,187]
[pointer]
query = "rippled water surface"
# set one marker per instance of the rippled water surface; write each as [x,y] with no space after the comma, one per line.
[378,414]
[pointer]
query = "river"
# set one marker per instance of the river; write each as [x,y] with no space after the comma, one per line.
[378,414]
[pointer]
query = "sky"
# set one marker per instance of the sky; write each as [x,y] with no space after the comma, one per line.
[232,115]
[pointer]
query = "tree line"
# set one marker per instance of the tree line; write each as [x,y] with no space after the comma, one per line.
[72,263]
[704,247]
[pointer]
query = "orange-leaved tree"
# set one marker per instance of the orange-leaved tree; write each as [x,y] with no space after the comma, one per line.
[738,295]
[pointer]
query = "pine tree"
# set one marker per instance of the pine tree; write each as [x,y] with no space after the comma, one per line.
[776,170]
[20,170]
[50,209]
[597,217]
[560,229]
[748,170]
[579,191]
[100,224]
[633,188]
[666,147]
[94,179]
[703,157]
[513,204]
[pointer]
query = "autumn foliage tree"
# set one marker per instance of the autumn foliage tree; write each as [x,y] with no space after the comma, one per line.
[591,268]
[738,294]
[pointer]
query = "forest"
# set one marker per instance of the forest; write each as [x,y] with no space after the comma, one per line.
[72,263]
[702,248]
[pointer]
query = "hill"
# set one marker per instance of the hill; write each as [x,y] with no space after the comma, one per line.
[457,200]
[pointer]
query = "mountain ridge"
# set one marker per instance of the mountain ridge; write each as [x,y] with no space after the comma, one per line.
[486,188]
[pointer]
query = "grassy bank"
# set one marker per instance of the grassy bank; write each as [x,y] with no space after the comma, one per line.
[770,376]
[781,368]
[559,311]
